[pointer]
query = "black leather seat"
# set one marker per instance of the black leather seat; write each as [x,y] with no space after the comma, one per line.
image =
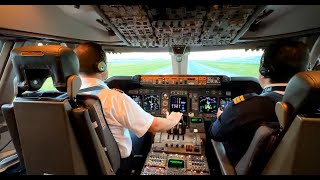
[299,118]
[289,146]
[257,155]
[55,135]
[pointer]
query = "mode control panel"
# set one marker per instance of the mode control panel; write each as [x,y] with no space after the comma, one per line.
[190,80]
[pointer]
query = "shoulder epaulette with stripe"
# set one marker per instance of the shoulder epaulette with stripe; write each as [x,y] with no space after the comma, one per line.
[243,98]
[238,99]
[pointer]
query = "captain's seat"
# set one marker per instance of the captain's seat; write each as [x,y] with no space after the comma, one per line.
[57,134]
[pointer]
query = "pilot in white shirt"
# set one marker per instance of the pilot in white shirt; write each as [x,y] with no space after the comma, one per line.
[121,112]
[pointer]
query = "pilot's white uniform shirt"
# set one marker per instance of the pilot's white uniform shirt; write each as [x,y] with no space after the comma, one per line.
[121,113]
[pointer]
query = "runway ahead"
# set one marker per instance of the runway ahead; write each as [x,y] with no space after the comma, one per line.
[194,68]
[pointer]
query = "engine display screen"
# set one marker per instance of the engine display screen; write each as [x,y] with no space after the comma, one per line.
[224,102]
[176,163]
[196,120]
[207,104]
[151,102]
[178,104]
[137,99]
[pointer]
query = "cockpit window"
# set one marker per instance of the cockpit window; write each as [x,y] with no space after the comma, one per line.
[48,84]
[1,44]
[225,62]
[133,63]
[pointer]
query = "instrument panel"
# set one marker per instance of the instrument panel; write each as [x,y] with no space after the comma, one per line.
[201,102]
[197,97]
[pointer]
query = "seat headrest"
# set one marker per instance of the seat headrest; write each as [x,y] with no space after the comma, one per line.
[303,93]
[34,64]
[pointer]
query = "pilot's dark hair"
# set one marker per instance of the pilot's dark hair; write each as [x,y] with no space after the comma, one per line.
[283,59]
[92,58]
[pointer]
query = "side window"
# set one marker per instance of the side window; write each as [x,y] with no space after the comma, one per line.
[5,47]
[1,45]
[48,84]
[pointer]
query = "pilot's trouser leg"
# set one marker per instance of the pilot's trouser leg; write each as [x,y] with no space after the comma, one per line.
[125,165]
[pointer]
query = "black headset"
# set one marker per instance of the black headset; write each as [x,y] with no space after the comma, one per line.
[266,69]
[101,65]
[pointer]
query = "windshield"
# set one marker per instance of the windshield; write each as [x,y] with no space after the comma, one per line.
[130,64]
[224,62]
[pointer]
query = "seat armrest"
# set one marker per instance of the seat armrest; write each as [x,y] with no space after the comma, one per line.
[224,162]
[7,159]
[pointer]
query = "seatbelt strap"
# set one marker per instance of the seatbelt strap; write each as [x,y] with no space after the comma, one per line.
[84,136]
[272,95]
[274,88]
[93,88]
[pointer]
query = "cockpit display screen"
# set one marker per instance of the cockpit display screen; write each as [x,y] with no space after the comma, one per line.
[224,102]
[137,99]
[207,104]
[151,102]
[196,120]
[175,163]
[178,104]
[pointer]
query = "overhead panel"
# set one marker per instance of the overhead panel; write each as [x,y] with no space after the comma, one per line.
[132,22]
[147,26]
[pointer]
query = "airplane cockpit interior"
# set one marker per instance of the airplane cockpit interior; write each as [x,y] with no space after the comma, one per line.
[193,59]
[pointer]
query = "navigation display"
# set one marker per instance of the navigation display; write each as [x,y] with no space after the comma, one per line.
[224,102]
[207,104]
[137,99]
[178,104]
[151,102]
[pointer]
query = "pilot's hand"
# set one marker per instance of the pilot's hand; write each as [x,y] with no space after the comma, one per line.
[220,111]
[174,116]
